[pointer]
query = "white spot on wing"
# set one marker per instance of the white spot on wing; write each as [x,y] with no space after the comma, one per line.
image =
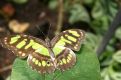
[19,52]
[82,33]
[30,57]
[23,54]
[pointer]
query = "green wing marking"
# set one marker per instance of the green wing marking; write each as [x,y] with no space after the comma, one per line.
[70,38]
[29,45]
[15,39]
[23,45]
[42,58]
[62,45]
[65,58]
[58,49]
[42,64]
[40,49]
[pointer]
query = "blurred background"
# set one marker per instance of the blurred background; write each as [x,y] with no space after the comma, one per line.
[98,18]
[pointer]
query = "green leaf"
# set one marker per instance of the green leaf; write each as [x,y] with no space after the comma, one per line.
[116,76]
[91,40]
[104,8]
[20,1]
[88,1]
[110,74]
[103,13]
[97,11]
[78,13]
[86,68]
[53,4]
[118,33]
[117,56]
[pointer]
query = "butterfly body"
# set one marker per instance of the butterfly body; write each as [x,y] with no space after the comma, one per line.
[46,56]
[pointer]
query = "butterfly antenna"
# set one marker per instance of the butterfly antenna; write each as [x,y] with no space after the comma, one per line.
[40,31]
[43,34]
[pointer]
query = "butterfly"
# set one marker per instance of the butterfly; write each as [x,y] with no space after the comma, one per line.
[46,56]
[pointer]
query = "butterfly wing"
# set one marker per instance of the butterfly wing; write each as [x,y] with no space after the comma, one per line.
[70,38]
[62,45]
[36,50]
[40,63]
[16,44]
[22,45]
[65,57]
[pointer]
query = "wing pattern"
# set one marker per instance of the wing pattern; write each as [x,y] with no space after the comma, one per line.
[40,56]
[62,45]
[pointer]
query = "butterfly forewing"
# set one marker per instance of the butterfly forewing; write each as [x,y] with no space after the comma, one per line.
[70,38]
[16,44]
[23,45]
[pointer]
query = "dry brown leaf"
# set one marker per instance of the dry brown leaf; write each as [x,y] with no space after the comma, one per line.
[18,27]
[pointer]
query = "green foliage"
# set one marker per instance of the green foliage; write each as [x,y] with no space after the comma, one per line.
[117,56]
[75,8]
[20,1]
[112,71]
[88,2]
[86,68]
[78,13]
[103,12]
[99,14]
[118,33]
[91,40]
[53,4]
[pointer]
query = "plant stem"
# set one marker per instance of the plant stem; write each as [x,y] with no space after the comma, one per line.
[60,17]
[110,33]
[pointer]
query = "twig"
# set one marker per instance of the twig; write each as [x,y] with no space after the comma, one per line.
[109,34]
[60,17]
[5,68]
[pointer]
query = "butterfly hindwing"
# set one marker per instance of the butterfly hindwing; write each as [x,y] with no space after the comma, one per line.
[40,63]
[70,38]
[65,59]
